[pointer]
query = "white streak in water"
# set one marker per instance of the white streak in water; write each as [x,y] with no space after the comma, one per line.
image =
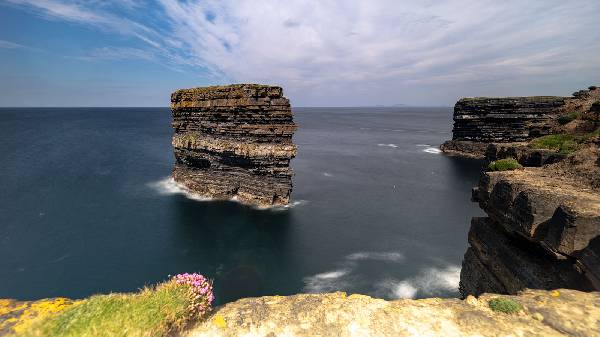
[328,281]
[379,256]
[429,282]
[168,186]
[388,145]
[432,150]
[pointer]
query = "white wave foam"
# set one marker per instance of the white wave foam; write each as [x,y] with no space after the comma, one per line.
[432,150]
[327,174]
[402,289]
[423,145]
[379,256]
[284,207]
[343,278]
[388,145]
[168,186]
[326,282]
[430,282]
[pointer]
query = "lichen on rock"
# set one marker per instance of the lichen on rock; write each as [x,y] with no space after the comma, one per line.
[571,313]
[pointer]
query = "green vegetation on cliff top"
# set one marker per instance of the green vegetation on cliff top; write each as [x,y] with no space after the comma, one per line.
[565,119]
[507,164]
[505,305]
[151,312]
[563,143]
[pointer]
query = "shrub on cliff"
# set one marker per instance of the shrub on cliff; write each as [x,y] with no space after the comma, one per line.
[507,164]
[592,87]
[563,143]
[505,305]
[159,311]
[564,119]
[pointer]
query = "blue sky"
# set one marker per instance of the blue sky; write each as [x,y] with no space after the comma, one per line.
[324,53]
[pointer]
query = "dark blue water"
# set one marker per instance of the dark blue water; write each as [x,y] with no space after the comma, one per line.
[85,207]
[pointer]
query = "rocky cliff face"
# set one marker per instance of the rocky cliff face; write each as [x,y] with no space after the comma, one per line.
[234,142]
[556,313]
[482,120]
[541,232]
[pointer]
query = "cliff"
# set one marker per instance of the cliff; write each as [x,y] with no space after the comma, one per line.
[557,313]
[542,228]
[531,313]
[234,143]
[482,120]
[542,231]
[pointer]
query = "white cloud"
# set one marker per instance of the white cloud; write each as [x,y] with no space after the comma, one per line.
[361,52]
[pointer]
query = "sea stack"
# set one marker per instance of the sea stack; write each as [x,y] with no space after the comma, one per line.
[234,142]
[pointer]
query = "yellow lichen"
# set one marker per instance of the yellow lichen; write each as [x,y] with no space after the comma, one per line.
[555,293]
[219,321]
[39,310]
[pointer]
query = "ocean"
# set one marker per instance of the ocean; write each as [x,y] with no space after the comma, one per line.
[87,207]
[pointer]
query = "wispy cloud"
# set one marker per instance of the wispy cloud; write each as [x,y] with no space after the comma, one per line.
[10,45]
[118,53]
[381,49]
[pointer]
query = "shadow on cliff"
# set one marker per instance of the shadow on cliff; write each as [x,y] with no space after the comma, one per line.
[461,169]
[238,246]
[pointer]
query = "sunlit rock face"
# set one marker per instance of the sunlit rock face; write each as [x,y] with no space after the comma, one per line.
[234,143]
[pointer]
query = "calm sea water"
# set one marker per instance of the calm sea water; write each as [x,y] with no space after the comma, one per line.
[86,207]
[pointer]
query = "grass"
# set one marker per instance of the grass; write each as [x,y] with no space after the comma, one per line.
[507,164]
[565,119]
[505,305]
[563,143]
[151,312]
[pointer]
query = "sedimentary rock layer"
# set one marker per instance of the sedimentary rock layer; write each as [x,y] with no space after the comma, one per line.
[483,120]
[556,313]
[508,119]
[234,142]
[541,232]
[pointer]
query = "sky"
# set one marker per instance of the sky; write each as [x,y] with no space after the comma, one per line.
[322,52]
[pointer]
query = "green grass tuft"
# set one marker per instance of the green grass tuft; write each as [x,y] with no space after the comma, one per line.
[151,312]
[565,119]
[563,143]
[505,305]
[507,164]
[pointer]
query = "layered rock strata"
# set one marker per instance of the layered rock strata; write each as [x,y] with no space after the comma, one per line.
[541,231]
[482,120]
[234,142]
[555,313]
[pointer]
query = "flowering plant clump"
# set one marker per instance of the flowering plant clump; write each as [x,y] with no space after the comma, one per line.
[201,291]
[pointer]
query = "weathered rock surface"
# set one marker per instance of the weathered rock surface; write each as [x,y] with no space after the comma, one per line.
[524,154]
[538,234]
[556,313]
[234,142]
[483,120]
[507,119]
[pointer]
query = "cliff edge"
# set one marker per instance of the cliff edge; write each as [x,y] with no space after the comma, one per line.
[542,313]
